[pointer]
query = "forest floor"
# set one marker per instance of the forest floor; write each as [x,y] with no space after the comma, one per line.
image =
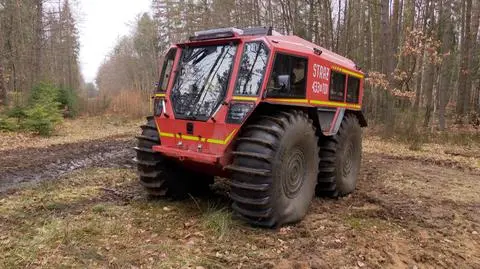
[73,201]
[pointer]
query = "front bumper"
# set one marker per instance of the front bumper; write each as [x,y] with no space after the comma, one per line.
[188,155]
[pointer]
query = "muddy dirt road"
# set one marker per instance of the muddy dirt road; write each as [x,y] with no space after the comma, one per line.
[30,165]
[408,212]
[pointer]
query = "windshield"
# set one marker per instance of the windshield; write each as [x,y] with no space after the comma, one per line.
[202,81]
[252,69]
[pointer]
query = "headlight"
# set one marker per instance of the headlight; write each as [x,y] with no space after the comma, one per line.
[158,107]
[238,112]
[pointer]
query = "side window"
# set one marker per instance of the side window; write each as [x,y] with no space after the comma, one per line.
[166,70]
[289,77]
[252,69]
[353,89]
[337,86]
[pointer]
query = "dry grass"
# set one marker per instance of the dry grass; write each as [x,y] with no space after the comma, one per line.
[71,131]
[443,154]
[133,103]
[99,218]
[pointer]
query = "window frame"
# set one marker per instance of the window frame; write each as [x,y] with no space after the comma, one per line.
[264,72]
[358,90]
[161,81]
[345,87]
[304,96]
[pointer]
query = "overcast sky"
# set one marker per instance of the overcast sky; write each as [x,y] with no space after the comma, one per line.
[102,23]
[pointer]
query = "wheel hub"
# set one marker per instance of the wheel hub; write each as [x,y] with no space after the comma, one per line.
[292,180]
[347,161]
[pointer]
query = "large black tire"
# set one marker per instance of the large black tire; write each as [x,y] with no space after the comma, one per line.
[160,176]
[340,158]
[275,168]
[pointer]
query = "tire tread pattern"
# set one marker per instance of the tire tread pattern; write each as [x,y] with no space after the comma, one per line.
[329,146]
[251,169]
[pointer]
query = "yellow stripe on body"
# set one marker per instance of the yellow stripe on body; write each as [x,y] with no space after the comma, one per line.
[315,102]
[284,100]
[167,135]
[196,138]
[244,98]
[222,142]
[337,104]
[161,95]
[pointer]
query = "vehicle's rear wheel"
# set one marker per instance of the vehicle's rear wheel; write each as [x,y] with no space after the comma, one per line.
[275,169]
[160,176]
[340,158]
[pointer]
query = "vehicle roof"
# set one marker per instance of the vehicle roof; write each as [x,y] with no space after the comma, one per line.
[288,42]
[295,43]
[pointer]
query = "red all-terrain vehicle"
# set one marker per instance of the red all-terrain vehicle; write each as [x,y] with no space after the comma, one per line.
[278,115]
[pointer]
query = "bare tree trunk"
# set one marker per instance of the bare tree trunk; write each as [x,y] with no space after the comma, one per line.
[327,25]
[37,42]
[346,29]
[3,89]
[447,35]
[311,20]
[475,58]
[420,61]
[395,31]
[336,45]
[429,74]
[270,13]
[463,96]
[429,78]
[368,39]
[476,98]
[387,63]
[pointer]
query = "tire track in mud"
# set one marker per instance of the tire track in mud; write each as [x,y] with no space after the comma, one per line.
[32,165]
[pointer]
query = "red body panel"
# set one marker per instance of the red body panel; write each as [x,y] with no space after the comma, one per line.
[209,146]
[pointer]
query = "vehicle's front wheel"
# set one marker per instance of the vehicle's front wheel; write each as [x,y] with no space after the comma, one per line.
[160,176]
[275,169]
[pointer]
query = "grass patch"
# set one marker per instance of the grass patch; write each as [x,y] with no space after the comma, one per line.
[53,206]
[99,208]
[72,131]
[217,220]
[74,222]
[468,157]
[355,223]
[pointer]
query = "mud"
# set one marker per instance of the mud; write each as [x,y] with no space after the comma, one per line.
[32,165]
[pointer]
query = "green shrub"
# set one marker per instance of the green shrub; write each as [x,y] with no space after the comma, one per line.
[44,93]
[68,100]
[41,115]
[16,112]
[8,124]
[42,118]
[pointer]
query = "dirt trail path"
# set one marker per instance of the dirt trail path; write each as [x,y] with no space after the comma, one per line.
[27,165]
[408,212]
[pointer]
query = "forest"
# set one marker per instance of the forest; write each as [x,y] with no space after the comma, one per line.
[422,56]
[40,76]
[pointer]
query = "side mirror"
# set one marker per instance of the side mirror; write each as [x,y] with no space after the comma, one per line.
[283,82]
